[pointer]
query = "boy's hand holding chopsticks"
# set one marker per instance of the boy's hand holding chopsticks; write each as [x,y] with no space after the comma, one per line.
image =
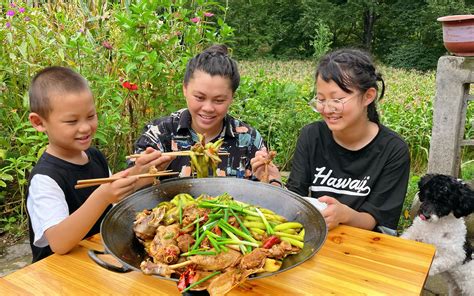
[99,181]
[122,186]
[148,159]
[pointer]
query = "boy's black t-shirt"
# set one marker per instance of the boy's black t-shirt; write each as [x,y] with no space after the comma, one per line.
[66,175]
[373,179]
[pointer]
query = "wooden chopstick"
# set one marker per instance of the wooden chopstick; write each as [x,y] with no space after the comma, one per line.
[173,153]
[99,181]
[111,179]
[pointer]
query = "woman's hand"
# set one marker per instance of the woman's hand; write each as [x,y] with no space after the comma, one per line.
[258,166]
[335,212]
[150,158]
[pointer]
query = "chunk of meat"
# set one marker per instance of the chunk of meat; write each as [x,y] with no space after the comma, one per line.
[166,235]
[223,283]
[192,212]
[164,247]
[217,262]
[280,250]
[185,241]
[149,267]
[146,222]
[268,161]
[254,259]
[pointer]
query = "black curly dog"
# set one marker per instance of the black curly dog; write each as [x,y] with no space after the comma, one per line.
[445,201]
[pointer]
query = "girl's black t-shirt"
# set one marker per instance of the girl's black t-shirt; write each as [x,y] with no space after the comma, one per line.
[373,179]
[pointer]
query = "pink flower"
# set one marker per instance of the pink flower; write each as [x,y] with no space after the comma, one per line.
[12,4]
[195,20]
[27,19]
[8,25]
[208,14]
[21,10]
[107,45]
[10,13]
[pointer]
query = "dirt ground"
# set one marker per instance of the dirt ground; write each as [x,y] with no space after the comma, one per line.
[15,253]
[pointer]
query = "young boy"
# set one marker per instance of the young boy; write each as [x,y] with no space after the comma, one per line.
[62,106]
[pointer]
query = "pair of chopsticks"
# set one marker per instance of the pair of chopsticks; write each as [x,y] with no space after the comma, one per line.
[94,182]
[173,153]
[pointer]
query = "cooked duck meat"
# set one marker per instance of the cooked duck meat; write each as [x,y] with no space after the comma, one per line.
[233,221]
[166,235]
[170,230]
[205,244]
[146,222]
[164,247]
[281,250]
[168,254]
[220,261]
[223,283]
[149,267]
[254,260]
[185,241]
[192,212]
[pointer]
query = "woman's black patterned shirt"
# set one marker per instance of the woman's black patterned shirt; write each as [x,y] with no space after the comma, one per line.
[174,133]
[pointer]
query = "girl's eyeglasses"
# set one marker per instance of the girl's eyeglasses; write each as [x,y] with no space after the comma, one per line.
[335,105]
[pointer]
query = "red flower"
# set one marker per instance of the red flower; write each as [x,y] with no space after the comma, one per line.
[130,86]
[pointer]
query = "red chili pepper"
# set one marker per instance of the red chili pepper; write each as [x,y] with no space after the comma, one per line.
[217,230]
[269,242]
[187,278]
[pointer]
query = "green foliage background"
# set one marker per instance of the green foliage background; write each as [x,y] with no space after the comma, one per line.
[400,33]
[149,43]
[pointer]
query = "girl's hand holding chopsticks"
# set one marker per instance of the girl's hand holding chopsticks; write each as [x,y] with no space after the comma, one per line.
[262,168]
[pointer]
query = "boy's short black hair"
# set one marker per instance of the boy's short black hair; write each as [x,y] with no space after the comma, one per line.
[53,80]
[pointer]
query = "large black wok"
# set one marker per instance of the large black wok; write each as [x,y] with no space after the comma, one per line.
[120,241]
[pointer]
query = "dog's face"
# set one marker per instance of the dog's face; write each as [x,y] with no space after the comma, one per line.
[441,195]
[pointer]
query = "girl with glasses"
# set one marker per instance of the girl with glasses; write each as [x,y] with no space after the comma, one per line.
[350,161]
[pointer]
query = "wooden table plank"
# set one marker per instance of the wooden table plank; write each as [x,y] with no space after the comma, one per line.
[8,288]
[351,261]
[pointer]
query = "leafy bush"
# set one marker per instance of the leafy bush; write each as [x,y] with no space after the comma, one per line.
[146,44]
[414,56]
[277,109]
[322,40]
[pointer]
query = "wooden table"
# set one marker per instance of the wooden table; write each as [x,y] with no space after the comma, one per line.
[351,261]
